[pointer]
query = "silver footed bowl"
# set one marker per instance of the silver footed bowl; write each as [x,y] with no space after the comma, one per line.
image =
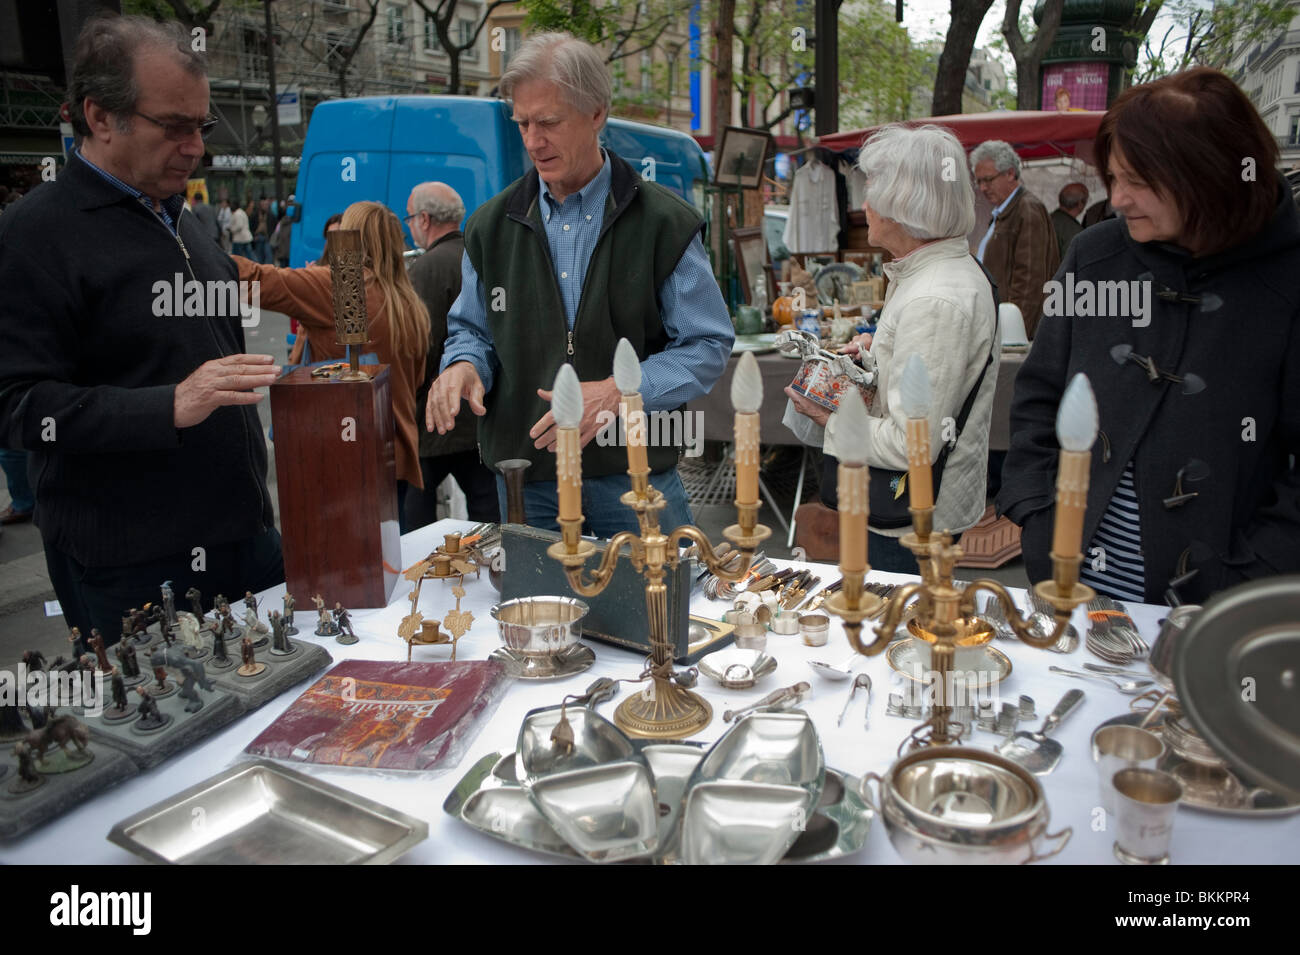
[540,626]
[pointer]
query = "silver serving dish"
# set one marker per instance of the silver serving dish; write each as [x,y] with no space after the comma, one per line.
[259,813]
[948,804]
[772,760]
[540,626]
[737,669]
[536,666]
[490,800]
[599,795]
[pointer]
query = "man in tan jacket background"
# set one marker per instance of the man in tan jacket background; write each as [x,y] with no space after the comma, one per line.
[1020,248]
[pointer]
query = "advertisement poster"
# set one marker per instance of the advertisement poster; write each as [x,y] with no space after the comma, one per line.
[1075,86]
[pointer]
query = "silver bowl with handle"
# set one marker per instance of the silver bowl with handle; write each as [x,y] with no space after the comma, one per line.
[957,805]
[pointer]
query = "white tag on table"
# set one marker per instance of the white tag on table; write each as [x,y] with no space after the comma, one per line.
[52,609]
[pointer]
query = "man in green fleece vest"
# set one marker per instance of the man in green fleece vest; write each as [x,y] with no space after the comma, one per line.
[558,267]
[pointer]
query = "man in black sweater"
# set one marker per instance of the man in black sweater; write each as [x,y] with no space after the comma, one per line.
[122,365]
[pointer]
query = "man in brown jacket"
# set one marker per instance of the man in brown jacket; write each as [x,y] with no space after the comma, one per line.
[1020,248]
[433,214]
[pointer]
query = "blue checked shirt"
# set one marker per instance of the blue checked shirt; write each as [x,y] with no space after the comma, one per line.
[693,312]
[169,210]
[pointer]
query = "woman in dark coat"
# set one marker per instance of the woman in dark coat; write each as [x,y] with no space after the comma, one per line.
[1185,314]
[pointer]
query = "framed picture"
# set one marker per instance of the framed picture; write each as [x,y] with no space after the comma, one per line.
[739,160]
[751,261]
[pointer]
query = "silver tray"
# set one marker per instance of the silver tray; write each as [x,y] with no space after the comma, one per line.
[490,799]
[259,813]
[1262,803]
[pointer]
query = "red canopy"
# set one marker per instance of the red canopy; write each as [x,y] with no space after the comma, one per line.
[1032,133]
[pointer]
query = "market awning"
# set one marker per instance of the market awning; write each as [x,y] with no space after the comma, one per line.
[1033,134]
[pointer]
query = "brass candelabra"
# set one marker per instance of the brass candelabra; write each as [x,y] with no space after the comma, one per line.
[664,709]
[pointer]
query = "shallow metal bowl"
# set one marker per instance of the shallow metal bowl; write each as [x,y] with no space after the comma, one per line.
[737,669]
[540,626]
[960,805]
[595,741]
[776,748]
[742,823]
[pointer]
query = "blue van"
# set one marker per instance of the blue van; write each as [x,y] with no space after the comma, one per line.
[380,147]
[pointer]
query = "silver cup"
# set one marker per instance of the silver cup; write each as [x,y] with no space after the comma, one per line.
[816,629]
[751,636]
[1122,747]
[1145,803]
[785,622]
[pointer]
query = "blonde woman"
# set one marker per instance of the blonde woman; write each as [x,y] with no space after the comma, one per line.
[399,321]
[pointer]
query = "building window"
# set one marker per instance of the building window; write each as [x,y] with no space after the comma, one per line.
[1293,137]
[511,46]
[430,34]
[396,25]
[337,49]
[647,74]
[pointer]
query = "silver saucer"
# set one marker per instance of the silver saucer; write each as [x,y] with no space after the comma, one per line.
[573,660]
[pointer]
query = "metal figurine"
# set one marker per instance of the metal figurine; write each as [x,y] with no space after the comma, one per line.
[34,660]
[191,673]
[220,658]
[96,643]
[28,778]
[78,645]
[169,606]
[121,702]
[190,635]
[220,604]
[325,626]
[279,635]
[250,666]
[195,597]
[60,731]
[151,718]
[289,605]
[343,626]
[250,601]
[255,628]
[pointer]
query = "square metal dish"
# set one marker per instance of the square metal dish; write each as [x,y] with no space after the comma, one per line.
[259,813]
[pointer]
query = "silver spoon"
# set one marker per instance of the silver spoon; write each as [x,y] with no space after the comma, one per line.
[833,672]
[1115,671]
[861,680]
[1127,687]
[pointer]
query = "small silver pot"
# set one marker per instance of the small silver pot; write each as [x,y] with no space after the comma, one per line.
[957,805]
[540,626]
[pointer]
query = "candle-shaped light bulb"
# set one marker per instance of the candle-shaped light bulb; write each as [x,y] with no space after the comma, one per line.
[915,387]
[747,385]
[1076,430]
[852,437]
[627,368]
[747,399]
[1076,418]
[566,406]
[627,378]
[566,398]
[915,393]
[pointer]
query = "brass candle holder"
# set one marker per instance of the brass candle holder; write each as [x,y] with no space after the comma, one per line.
[665,709]
[348,284]
[945,615]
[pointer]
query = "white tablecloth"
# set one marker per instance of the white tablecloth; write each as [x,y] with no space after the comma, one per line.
[1199,837]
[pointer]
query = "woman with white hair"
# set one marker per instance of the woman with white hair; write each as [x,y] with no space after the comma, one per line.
[940,305]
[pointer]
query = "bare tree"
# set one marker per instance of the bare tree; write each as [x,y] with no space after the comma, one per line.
[343,62]
[1029,54]
[950,75]
[443,15]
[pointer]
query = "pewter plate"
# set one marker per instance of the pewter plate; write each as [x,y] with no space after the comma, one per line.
[577,658]
[490,800]
[259,813]
[911,658]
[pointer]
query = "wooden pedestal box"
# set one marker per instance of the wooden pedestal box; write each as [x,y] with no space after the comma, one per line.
[338,487]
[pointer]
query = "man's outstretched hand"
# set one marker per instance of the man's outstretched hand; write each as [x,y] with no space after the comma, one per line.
[220,382]
[459,381]
[597,396]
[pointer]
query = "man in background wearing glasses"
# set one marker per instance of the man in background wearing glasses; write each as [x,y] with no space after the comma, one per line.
[1019,249]
[147,455]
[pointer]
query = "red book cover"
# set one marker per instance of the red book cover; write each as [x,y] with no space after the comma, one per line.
[381,715]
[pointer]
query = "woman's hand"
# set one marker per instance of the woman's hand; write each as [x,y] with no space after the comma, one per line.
[857,344]
[808,408]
